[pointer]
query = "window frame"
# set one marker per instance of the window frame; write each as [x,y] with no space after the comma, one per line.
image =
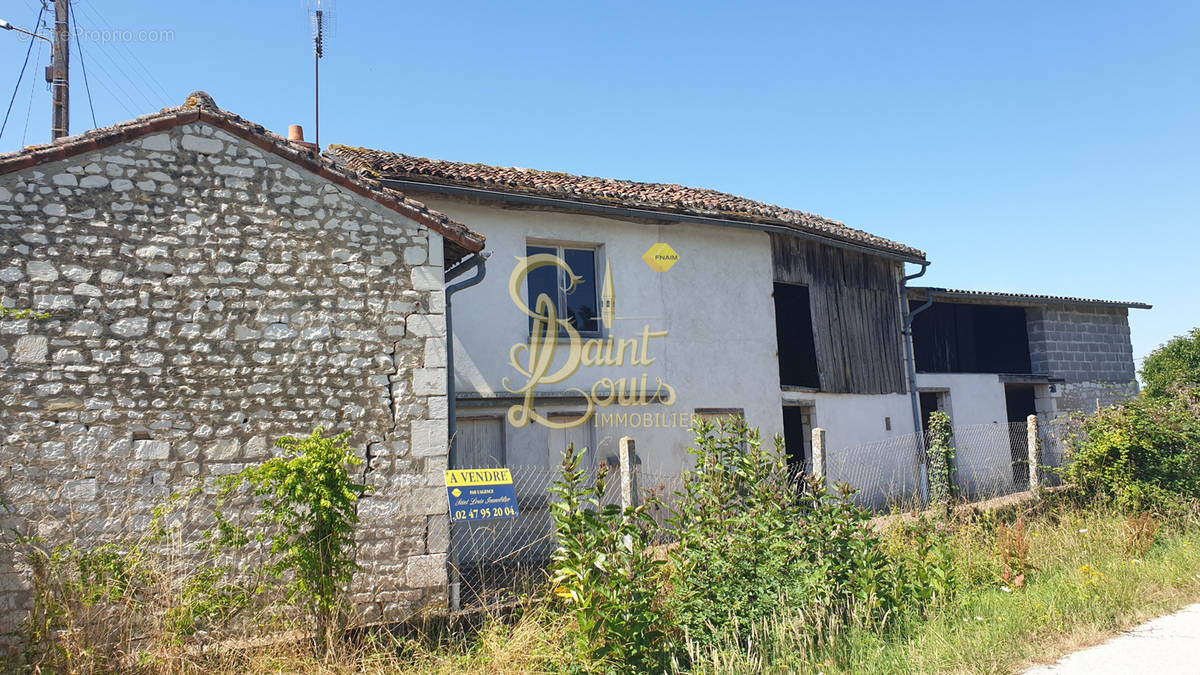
[560,247]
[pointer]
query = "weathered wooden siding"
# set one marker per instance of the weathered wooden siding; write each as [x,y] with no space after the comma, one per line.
[855,314]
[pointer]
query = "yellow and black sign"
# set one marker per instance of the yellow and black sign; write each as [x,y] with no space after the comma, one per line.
[481,494]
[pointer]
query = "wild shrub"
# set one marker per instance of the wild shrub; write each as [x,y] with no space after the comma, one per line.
[927,572]
[1144,454]
[753,543]
[1141,529]
[309,509]
[87,603]
[1012,547]
[605,575]
[737,520]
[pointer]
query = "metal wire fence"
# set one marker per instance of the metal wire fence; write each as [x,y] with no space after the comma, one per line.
[886,474]
[492,562]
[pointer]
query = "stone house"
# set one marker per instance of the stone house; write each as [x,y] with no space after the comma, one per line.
[211,287]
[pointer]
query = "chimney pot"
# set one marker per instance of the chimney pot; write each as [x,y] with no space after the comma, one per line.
[296,133]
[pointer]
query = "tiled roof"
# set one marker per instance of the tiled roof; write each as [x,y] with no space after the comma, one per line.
[199,107]
[661,197]
[1021,298]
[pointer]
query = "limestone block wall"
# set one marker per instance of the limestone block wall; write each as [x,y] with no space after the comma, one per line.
[206,297]
[1089,347]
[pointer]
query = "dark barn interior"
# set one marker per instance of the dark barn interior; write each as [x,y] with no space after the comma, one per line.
[962,338]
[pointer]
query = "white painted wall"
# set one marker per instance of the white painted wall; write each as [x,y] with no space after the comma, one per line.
[715,302]
[979,413]
[854,419]
[974,398]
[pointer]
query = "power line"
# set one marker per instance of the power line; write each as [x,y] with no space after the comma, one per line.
[36,24]
[130,58]
[32,85]
[86,86]
[124,100]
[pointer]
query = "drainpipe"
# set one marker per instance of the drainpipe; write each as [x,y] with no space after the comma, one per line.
[478,262]
[911,362]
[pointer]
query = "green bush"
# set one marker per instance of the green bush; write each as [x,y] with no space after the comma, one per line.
[754,544]
[1175,364]
[309,512]
[1143,454]
[604,574]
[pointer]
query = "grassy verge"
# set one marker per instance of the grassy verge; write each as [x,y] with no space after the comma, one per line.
[1091,572]
[1092,576]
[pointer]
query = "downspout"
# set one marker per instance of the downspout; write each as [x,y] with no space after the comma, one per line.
[911,362]
[479,262]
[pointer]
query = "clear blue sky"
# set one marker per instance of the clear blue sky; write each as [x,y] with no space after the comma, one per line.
[1025,147]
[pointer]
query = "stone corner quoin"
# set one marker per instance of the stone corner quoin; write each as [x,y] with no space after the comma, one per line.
[206,297]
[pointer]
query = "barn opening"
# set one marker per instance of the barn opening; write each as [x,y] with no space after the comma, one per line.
[932,401]
[794,337]
[1020,400]
[964,338]
[797,437]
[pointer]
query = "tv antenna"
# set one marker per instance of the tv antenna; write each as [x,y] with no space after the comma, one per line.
[321,13]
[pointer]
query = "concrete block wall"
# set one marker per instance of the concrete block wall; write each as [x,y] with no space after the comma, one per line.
[207,297]
[1087,346]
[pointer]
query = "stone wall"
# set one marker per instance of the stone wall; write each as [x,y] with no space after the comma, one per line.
[1087,346]
[207,297]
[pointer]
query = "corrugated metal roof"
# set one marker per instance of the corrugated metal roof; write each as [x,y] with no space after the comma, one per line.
[1022,298]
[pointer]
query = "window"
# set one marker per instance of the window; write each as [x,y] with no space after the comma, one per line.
[794,337]
[478,443]
[581,305]
[719,414]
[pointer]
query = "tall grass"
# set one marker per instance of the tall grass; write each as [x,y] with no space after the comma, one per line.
[1091,570]
[1091,574]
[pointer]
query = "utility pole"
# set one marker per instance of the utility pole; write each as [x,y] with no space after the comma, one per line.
[61,124]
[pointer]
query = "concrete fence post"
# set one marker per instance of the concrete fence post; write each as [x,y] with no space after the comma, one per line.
[629,479]
[1035,452]
[818,453]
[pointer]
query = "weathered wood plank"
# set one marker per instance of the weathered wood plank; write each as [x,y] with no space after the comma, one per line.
[856,315]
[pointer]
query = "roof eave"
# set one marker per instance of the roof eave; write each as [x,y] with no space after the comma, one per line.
[452,188]
[169,118]
[1029,300]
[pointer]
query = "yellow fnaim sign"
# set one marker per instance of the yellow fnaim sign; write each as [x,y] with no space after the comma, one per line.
[661,257]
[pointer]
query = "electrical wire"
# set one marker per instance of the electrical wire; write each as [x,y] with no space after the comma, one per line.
[131,60]
[36,24]
[32,85]
[124,99]
[82,66]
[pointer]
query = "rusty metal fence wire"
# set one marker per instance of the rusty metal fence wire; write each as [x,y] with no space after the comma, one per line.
[493,562]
